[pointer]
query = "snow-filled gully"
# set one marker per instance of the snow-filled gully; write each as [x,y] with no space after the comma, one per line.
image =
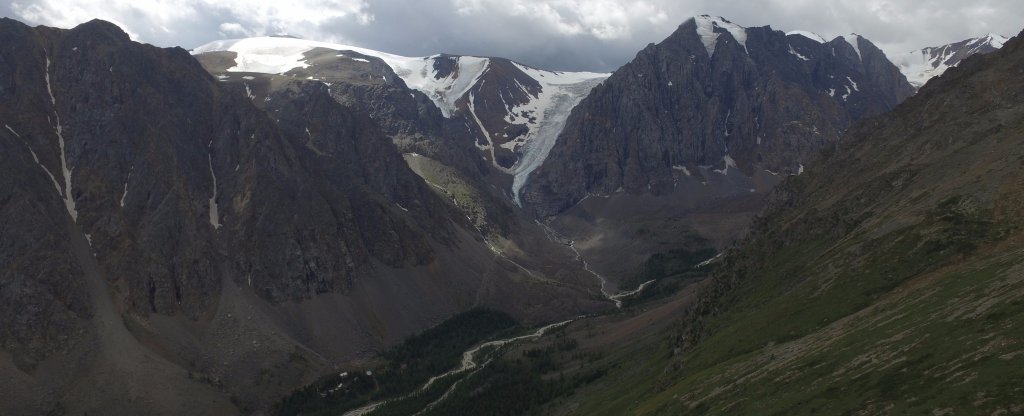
[214,215]
[69,198]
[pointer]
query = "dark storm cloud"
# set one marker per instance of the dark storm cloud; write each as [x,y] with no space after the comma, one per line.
[596,35]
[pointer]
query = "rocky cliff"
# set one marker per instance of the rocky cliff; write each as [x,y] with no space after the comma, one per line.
[165,238]
[713,96]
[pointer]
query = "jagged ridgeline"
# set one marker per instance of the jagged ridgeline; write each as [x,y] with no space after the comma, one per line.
[714,98]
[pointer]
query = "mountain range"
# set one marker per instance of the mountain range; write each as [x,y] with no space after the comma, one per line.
[205,231]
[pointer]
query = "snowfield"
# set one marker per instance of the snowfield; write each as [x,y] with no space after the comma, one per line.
[560,91]
[924,64]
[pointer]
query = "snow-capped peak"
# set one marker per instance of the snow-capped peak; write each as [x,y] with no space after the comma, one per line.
[542,111]
[923,64]
[809,35]
[992,39]
[854,40]
[995,40]
[706,30]
[278,55]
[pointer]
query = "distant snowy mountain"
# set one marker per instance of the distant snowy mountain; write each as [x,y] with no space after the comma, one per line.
[922,65]
[514,111]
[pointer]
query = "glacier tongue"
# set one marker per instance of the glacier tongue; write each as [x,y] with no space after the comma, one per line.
[560,93]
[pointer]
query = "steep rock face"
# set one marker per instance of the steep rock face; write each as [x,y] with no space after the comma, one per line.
[158,183]
[366,83]
[461,111]
[358,200]
[416,125]
[713,94]
[160,230]
[922,65]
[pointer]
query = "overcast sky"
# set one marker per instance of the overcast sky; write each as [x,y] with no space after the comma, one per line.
[595,35]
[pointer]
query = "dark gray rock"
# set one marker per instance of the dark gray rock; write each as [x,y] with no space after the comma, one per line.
[769,105]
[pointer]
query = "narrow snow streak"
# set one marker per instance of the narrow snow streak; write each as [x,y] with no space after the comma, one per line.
[125,194]
[214,217]
[69,198]
[487,135]
[36,158]
[52,178]
[797,54]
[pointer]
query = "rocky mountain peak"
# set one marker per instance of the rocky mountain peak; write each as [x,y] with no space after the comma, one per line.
[714,95]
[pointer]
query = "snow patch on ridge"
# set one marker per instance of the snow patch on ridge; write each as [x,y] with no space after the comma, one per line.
[809,35]
[923,64]
[276,55]
[446,91]
[706,30]
[854,40]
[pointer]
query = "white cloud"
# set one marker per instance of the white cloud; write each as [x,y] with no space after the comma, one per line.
[556,34]
[230,30]
[603,19]
[158,21]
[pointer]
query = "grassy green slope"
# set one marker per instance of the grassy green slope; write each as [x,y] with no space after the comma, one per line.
[887,280]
